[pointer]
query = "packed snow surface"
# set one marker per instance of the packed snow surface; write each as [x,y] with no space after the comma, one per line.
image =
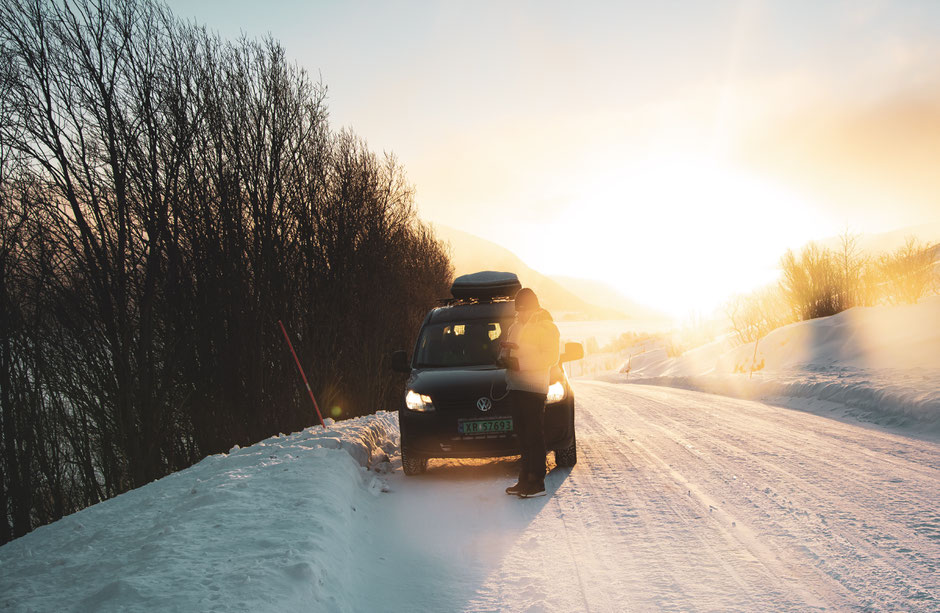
[680,501]
[878,364]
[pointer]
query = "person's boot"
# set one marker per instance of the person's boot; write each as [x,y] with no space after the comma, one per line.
[532,489]
[518,487]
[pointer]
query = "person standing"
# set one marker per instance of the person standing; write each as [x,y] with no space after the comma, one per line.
[528,354]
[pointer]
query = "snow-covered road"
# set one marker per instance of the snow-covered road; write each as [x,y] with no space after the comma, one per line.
[681,501]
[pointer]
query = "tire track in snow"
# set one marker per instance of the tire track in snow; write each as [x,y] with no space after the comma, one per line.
[778,568]
[712,527]
[656,561]
[855,501]
[611,513]
[568,543]
[837,548]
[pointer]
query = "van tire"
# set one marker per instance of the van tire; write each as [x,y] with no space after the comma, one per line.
[413,465]
[568,456]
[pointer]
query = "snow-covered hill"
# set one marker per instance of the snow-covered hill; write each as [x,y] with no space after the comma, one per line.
[879,364]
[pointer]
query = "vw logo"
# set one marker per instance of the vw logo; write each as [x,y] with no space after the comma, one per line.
[484,404]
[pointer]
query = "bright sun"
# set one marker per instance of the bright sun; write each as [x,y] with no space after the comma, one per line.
[679,233]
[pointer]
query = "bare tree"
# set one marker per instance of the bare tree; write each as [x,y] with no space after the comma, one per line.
[811,282]
[909,273]
[851,266]
[754,315]
[167,197]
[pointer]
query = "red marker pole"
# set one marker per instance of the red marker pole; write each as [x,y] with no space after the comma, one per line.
[301,369]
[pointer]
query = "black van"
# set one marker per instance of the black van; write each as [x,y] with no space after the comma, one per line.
[454,403]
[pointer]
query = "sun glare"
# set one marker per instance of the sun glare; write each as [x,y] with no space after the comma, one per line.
[683,233]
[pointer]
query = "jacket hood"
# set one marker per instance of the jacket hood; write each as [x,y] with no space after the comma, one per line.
[540,315]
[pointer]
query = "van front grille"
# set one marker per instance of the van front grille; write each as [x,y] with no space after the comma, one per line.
[467,405]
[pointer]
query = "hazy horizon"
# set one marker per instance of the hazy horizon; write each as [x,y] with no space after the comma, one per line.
[648,316]
[634,143]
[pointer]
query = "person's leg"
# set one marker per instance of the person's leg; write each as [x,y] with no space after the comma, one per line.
[533,446]
[535,438]
[520,425]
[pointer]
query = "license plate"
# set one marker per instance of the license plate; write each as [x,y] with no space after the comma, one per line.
[484,426]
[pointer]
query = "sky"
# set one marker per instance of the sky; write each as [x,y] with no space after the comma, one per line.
[674,149]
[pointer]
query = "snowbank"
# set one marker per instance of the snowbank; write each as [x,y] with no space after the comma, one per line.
[877,364]
[263,528]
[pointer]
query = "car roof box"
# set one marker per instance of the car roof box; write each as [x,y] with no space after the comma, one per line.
[485,285]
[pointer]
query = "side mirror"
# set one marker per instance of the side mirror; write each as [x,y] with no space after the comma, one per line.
[573,351]
[400,361]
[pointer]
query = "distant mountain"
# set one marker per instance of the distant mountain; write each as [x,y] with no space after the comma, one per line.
[598,292]
[470,253]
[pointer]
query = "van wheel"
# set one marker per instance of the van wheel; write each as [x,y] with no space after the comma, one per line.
[413,465]
[568,456]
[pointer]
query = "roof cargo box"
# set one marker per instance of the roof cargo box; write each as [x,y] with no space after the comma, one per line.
[485,285]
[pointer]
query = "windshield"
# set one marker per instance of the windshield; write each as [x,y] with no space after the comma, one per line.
[473,342]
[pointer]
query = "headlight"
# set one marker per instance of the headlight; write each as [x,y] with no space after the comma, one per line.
[556,393]
[418,402]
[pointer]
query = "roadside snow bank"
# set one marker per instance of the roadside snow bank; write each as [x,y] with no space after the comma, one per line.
[879,364]
[263,528]
[900,399]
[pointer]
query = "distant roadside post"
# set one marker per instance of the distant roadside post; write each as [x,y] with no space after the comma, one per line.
[302,374]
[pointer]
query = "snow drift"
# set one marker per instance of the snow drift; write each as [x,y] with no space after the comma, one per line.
[877,364]
[262,528]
